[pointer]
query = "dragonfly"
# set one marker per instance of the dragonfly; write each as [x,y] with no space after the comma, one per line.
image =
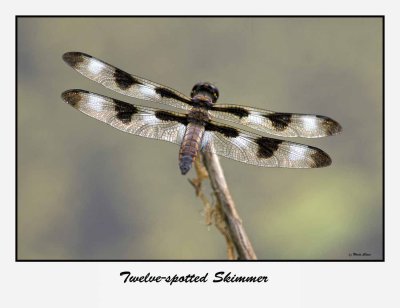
[201,125]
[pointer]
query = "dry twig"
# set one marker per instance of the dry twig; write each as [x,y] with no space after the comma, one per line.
[226,217]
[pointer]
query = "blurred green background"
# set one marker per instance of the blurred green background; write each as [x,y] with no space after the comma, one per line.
[88,191]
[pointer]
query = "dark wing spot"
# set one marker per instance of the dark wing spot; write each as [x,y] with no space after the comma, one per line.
[124,80]
[124,111]
[267,146]
[73,97]
[279,120]
[320,158]
[330,127]
[224,130]
[74,58]
[168,116]
[167,93]
[237,111]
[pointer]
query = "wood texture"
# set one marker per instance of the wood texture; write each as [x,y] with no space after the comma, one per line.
[230,215]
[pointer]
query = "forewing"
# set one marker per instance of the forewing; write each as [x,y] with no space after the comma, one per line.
[124,83]
[133,119]
[280,124]
[261,151]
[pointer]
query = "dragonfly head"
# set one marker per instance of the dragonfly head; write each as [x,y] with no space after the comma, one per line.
[205,93]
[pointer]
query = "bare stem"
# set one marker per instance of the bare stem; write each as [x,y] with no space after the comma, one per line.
[226,217]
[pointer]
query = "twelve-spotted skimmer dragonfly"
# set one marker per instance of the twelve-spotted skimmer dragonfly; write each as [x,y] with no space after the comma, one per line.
[195,129]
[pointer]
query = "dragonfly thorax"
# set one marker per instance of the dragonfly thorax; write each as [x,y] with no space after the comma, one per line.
[198,115]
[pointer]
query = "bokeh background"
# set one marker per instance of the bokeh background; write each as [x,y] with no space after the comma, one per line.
[88,191]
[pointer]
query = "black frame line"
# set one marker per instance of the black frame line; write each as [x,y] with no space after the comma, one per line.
[198,16]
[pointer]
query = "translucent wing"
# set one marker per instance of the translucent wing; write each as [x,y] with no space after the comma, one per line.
[261,151]
[275,123]
[124,83]
[133,119]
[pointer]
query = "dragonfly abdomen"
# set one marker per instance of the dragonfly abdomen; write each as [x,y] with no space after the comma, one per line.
[190,146]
